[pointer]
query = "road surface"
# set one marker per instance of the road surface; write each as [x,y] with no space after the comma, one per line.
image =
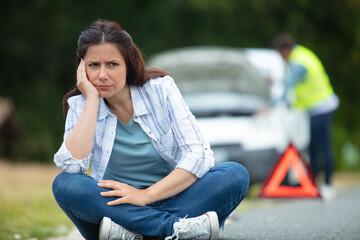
[338,218]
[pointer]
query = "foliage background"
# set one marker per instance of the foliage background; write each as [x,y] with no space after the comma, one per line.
[38,43]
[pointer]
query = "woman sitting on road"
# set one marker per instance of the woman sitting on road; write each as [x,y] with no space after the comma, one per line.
[153,173]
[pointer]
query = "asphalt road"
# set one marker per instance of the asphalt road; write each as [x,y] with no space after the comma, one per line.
[338,218]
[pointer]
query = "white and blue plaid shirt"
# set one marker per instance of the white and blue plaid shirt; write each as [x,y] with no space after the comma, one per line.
[162,114]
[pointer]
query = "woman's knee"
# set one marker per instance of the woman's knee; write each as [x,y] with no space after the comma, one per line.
[67,183]
[59,182]
[58,186]
[237,174]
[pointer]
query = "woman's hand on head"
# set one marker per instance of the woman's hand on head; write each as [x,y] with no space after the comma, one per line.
[126,193]
[83,83]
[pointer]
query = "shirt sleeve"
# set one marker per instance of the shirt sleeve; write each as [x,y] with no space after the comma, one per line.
[196,155]
[293,76]
[63,158]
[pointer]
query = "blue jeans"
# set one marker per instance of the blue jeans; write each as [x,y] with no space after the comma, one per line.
[320,144]
[221,190]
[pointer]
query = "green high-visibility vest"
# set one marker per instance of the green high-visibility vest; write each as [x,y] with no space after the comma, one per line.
[315,85]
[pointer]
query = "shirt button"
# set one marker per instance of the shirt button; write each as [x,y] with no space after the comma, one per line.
[206,149]
[149,132]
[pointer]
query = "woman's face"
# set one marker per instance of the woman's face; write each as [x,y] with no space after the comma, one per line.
[106,69]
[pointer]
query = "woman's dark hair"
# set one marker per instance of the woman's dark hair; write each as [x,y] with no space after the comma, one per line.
[102,31]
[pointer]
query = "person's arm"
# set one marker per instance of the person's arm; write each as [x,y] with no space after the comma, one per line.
[174,183]
[80,140]
[293,76]
[296,76]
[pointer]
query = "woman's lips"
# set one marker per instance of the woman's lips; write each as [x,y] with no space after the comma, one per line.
[103,87]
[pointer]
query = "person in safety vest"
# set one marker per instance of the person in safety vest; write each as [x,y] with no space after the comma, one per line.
[306,78]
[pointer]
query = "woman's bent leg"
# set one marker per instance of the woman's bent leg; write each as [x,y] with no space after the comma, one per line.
[79,197]
[87,230]
[220,190]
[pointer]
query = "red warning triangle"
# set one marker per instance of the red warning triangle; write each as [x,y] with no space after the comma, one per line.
[272,185]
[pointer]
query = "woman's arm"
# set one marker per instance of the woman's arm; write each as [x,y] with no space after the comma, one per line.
[80,140]
[174,183]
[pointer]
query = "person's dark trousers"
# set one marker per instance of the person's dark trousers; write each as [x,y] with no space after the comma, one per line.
[320,144]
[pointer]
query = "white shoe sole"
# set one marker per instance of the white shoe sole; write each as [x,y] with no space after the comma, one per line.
[214,225]
[105,228]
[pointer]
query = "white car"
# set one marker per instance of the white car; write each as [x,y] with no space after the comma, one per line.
[228,90]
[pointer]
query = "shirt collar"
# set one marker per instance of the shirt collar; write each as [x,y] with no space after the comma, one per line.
[138,100]
[103,110]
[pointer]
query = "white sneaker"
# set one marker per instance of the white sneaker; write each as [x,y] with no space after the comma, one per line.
[205,226]
[327,192]
[110,230]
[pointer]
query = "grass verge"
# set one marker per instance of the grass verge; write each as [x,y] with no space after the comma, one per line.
[27,207]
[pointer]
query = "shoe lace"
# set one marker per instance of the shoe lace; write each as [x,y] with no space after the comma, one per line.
[189,229]
[126,234]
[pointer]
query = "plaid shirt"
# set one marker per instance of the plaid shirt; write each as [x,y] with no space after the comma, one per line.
[162,114]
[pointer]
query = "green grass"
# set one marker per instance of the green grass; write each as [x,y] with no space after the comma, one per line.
[27,207]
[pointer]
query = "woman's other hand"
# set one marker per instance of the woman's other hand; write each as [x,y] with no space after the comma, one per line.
[126,193]
[83,83]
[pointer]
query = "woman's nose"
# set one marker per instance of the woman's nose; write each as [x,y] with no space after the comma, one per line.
[103,75]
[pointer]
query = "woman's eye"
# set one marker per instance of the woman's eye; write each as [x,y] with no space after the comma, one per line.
[93,64]
[113,64]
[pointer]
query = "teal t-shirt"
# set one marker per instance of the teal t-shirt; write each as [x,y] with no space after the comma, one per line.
[133,159]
